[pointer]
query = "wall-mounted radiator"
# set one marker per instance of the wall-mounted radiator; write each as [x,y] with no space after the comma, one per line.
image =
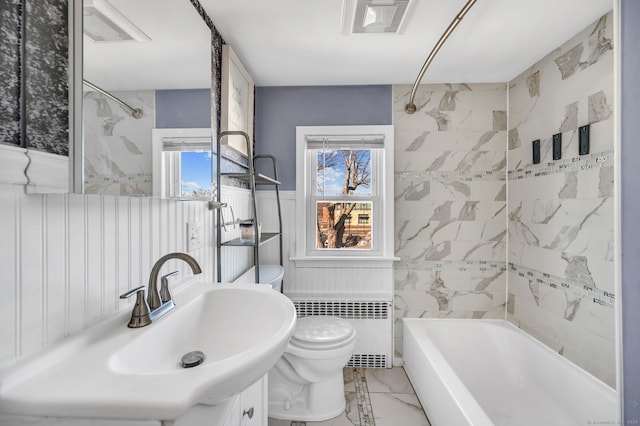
[373,321]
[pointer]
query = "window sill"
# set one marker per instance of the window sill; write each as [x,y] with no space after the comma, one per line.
[381,262]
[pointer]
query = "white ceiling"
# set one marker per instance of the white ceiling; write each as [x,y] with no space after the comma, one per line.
[300,42]
[177,57]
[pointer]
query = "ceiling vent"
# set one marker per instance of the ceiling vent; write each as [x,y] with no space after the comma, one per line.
[104,23]
[379,16]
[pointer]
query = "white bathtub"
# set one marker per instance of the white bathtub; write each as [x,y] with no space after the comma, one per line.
[488,372]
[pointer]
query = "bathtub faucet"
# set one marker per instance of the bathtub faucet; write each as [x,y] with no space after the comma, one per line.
[158,303]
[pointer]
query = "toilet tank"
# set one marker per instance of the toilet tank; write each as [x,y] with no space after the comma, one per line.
[269,274]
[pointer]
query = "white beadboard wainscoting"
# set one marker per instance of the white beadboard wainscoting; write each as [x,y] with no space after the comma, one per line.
[234,261]
[268,215]
[65,259]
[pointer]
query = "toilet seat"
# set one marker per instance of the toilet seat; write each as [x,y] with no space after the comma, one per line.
[320,332]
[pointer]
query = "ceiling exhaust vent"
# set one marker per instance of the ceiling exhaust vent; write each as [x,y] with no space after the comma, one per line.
[104,23]
[379,16]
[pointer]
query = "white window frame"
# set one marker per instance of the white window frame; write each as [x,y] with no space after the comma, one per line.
[375,199]
[382,195]
[166,163]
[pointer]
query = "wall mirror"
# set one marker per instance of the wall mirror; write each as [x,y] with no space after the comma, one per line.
[146,65]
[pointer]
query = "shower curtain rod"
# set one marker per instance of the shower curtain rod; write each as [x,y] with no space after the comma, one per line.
[410,107]
[135,112]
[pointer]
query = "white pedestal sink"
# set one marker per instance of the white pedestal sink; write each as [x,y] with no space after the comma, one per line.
[110,371]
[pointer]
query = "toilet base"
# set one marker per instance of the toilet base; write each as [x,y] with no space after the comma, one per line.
[307,402]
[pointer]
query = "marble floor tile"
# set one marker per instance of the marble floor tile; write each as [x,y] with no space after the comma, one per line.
[348,418]
[384,394]
[390,380]
[394,409]
[349,385]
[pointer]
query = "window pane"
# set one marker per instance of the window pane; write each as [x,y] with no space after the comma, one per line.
[339,225]
[343,172]
[195,179]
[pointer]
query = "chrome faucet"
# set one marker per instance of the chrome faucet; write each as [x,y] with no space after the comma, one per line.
[158,303]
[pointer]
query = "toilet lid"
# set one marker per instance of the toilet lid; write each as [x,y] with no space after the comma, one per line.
[322,329]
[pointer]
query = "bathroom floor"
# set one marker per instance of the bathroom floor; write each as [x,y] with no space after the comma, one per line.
[375,396]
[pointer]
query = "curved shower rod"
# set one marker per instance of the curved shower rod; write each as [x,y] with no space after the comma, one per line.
[134,112]
[410,107]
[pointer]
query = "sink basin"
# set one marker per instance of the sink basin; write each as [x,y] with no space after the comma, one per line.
[111,371]
[225,323]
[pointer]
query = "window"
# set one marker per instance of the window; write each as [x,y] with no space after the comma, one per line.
[188,173]
[345,174]
[345,187]
[182,163]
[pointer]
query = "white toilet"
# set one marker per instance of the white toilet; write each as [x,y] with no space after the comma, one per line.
[306,383]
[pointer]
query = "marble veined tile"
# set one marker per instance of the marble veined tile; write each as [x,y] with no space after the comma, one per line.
[391,409]
[590,316]
[348,418]
[579,184]
[570,87]
[453,250]
[445,300]
[418,301]
[451,108]
[540,259]
[438,210]
[594,353]
[556,212]
[419,139]
[408,188]
[588,350]
[439,231]
[588,232]
[347,375]
[390,380]
[458,161]
[118,146]
[461,281]
[480,301]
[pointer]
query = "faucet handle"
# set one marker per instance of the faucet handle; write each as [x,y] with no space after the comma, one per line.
[131,292]
[140,313]
[165,293]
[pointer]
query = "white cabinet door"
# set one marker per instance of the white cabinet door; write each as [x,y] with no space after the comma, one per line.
[234,415]
[253,404]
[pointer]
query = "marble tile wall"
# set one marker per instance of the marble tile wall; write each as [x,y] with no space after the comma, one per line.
[118,157]
[561,213]
[450,203]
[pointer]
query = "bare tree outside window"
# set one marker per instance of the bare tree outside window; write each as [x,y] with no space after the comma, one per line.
[343,173]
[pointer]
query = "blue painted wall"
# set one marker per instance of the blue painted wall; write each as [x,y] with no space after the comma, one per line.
[183,108]
[630,153]
[278,110]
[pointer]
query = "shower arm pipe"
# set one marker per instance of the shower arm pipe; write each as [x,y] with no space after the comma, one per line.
[410,107]
[134,112]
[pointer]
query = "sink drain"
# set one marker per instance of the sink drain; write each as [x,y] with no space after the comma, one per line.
[192,359]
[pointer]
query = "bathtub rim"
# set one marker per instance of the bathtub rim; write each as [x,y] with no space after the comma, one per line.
[515,328]
[465,392]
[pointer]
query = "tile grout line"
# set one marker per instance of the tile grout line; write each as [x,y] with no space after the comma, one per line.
[365,411]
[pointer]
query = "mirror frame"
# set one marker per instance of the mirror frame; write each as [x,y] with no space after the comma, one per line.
[76,151]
